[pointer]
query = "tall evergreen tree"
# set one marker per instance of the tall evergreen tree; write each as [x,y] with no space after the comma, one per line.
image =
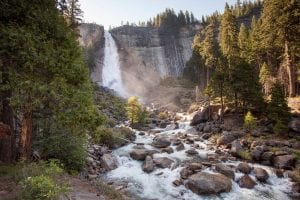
[187,17]
[243,42]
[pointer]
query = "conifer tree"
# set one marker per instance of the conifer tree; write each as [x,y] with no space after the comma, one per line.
[243,42]
[265,78]
[187,17]
[278,110]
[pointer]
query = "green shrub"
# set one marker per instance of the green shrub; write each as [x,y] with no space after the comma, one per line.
[42,188]
[162,115]
[250,122]
[245,155]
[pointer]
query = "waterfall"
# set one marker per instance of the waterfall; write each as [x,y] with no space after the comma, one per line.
[111,72]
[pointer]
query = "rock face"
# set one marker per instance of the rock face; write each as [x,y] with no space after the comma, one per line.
[225,170]
[284,162]
[109,162]
[246,182]
[148,164]
[207,184]
[161,142]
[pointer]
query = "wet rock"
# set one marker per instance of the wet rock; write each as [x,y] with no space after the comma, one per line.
[191,151]
[236,148]
[207,164]
[295,125]
[109,162]
[168,150]
[140,154]
[161,142]
[296,188]
[195,166]
[284,162]
[185,173]
[204,183]
[279,173]
[244,168]
[177,183]
[180,147]
[142,133]
[200,127]
[207,128]
[206,136]
[148,165]
[225,170]
[261,174]
[163,162]
[226,139]
[246,182]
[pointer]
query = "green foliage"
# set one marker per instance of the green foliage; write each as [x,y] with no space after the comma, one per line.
[163,115]
[245,155]
[265,78]
[42,188]
[135,113]
[278,110]
[250,122]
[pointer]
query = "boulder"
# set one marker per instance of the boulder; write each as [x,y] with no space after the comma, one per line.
[284,162]
[195,166]
[180,147]
[207,128]
[244,168]
[261,174]
[279,173]
[295,125]
[226,139]
[191,151]
[247,182]
[163,162]
[109,162]
[185,173]
[161,142]
[256,154]
[168,150]
[267,156]
[201,116]
[225,170]
[236,148]
[148,164]
[204,183]
[140,154]
[177,183]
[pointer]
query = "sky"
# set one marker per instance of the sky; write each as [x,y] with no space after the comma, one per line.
[112,12]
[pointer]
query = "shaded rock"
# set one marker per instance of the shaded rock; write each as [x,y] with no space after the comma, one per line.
[247,182]
[205,183]
[140,154]
[142,133]
[284,162]
[279,173]
[191,151]
[109,162]
[296,188]
[261,174]
[148,165]
[195,166]
[201,116]
[163,162]
[226,139]
[185,173]
[244,168]
[256,154]
[295,125]
[207,128]
[267,156]
[236,148]
[225,170]
[180,147]
[161,142]
[168,150]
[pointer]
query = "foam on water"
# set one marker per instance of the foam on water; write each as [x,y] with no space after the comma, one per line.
[158,184]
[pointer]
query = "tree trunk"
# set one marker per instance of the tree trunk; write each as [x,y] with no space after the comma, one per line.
[222,102]
[290,69]
[26,135]
[6,153]
[7,116]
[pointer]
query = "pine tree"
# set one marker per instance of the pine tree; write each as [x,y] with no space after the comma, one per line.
[243,42]
[278,110]
[74,14]
[187,17]
[265,78]
[134,110]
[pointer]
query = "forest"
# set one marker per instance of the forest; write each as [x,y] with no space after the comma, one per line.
[63,135]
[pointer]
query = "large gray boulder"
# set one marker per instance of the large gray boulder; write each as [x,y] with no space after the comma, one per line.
[161,142]
[261,174]
[236,148]
[140,154]
[225,170]
[163,162]
[284,162]
[246,182]
[205,115]
[204,183]
[244,168]
[226,139]
[109,162]
[148,165]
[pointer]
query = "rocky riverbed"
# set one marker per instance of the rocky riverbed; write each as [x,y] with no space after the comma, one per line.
[177,162]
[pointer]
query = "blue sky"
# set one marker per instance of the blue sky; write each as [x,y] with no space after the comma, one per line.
[112,12]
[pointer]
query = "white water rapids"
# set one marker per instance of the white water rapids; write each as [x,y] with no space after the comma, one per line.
[111,72]
[158,184]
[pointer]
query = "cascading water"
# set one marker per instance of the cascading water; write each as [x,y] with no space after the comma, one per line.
[158,184]
[111,72]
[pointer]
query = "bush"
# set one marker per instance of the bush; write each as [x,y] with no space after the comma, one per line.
[250,122]
[42,188]
[163,115]
[245,155]
[135,113]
